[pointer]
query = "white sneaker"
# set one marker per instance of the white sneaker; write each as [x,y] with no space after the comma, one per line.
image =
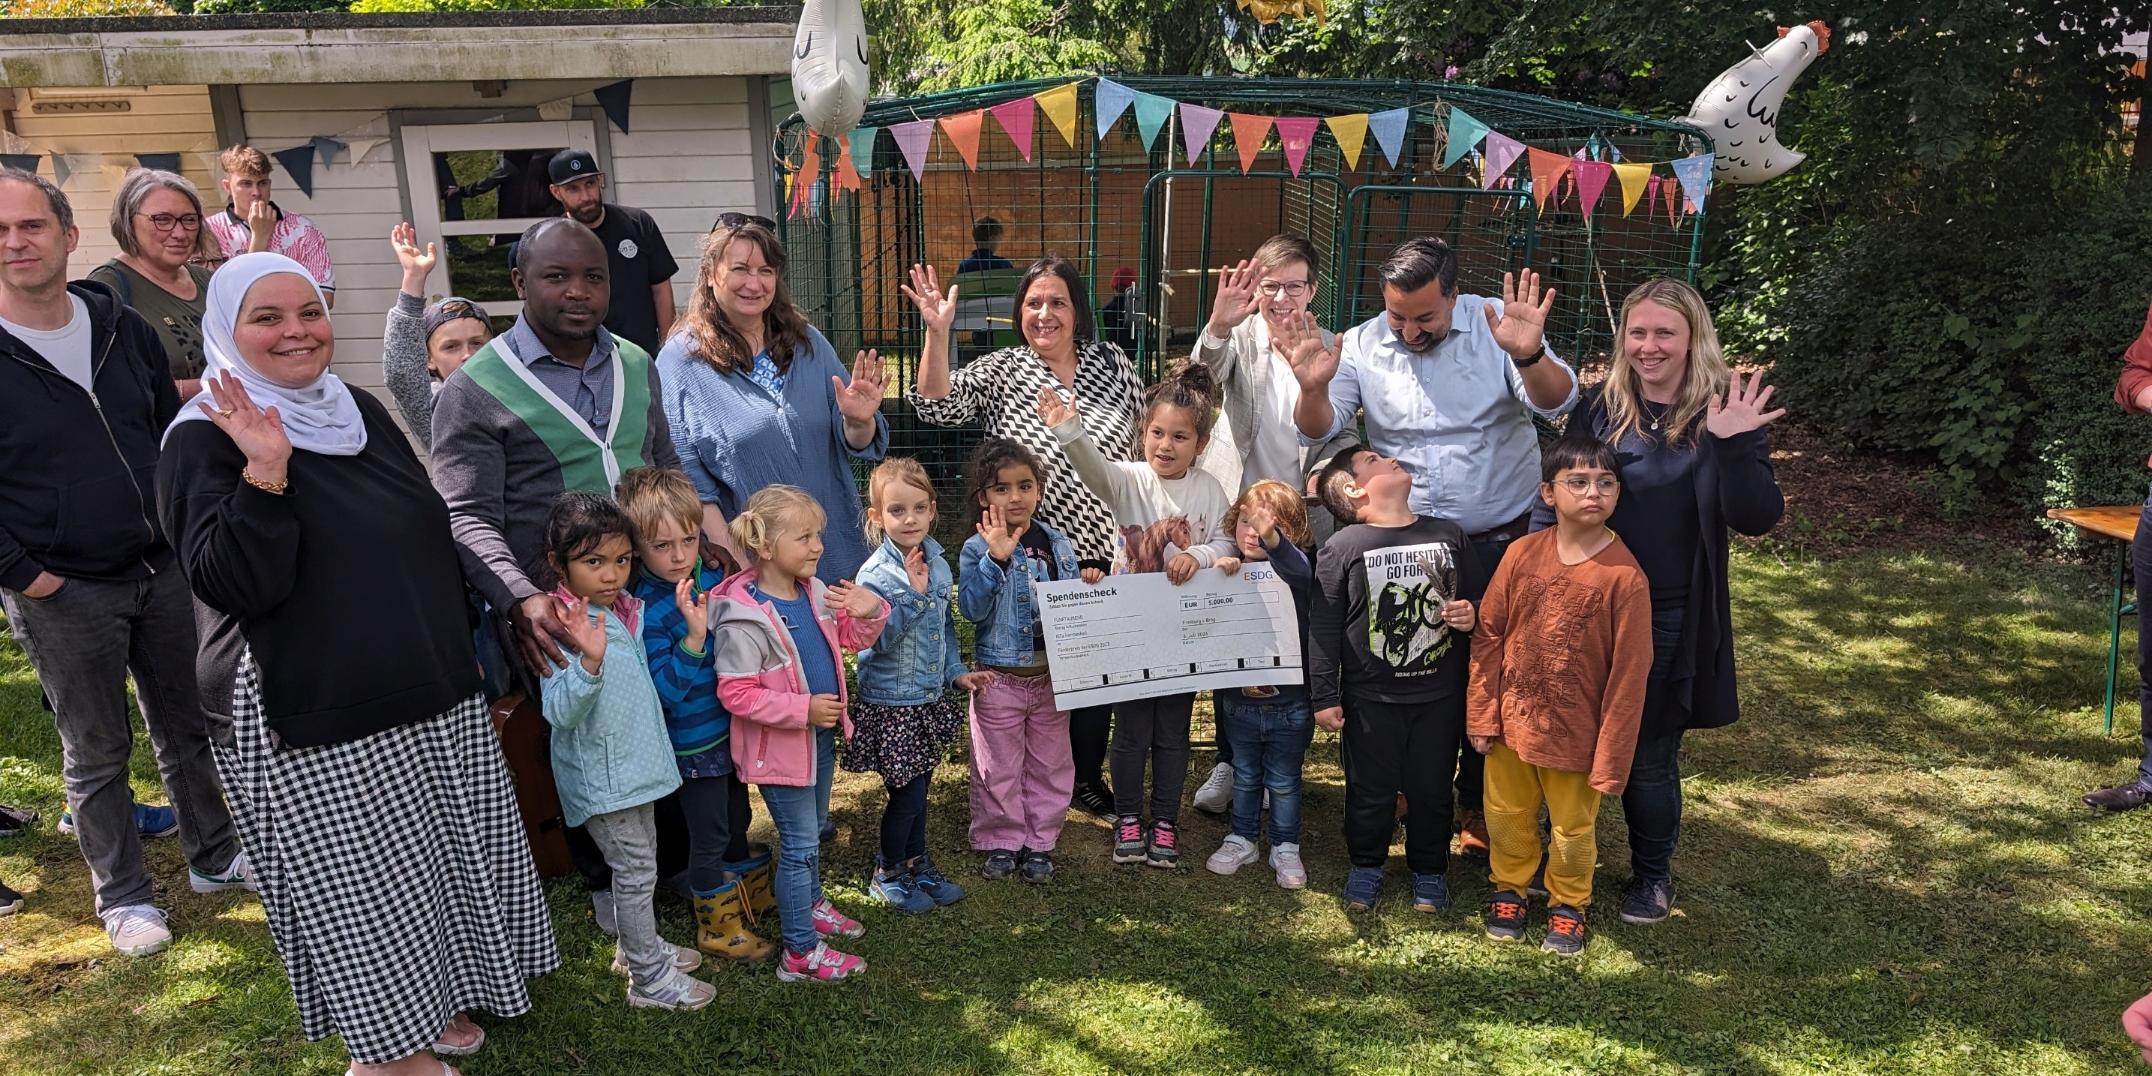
[240,875]
[137,930]
[1216,795]
[1235,853]
[683,959]
[601,909]
[1285,859]
[678,990]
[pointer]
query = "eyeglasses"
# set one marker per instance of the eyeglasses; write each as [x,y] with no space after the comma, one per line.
[1271,289]
[1607,485]
[735,220]
[165,222]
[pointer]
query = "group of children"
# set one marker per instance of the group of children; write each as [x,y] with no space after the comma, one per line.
[671,654]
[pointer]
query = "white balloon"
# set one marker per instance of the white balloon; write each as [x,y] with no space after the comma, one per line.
[1740,108]
[829,65]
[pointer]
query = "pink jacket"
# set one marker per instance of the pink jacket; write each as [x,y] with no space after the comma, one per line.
[760,682]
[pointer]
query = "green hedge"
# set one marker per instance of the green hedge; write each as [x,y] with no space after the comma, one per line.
[1988,346]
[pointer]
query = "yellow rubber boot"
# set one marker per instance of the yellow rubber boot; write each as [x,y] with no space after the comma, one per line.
[721,927]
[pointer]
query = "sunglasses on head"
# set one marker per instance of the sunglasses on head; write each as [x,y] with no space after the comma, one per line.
[455,306]
[736,220]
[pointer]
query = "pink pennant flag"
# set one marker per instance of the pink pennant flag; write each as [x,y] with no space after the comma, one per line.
[1502,151]
[1592,177]
[1248,134]
[1297,133]
[1017,117]
[914,138]
[1197,125]
[1651,195]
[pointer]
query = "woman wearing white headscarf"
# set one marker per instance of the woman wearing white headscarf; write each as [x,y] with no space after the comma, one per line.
[341,689]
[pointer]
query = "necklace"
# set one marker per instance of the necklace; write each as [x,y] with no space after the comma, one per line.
[1657,417]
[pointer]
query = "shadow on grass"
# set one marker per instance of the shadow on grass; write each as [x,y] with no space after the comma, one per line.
[1881,871]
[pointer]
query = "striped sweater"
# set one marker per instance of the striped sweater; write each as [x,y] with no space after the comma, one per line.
[686,680]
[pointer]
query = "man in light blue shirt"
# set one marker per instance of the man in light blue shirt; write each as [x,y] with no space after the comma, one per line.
[1449,384]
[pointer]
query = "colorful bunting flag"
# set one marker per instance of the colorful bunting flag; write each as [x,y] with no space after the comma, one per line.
[1548,168]
[60,171]
[1389,128]
[914,138]
[1296,134]
[861,143]
[167,162]
[1695,176]
[1151,113]
[1673,200]
[1017,117]
[614,100]
[1248,134]
[360,147]
[21,162]
[963,132]
[1592,177]
[1350,131]
[1108,101]
[1651,195]
[1635,179]
[328,148]
[1198,124]
[1465,134]
[298,162]
[1059,104]
[1502,151]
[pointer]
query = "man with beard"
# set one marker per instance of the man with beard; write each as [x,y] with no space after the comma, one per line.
[555,403]
[642,266]
[1449,384]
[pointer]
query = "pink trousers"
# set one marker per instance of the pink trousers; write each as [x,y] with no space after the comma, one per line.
[1022,775]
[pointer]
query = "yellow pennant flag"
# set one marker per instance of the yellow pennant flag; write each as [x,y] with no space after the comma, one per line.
[1351,133]
[1059,104]
[1635,177]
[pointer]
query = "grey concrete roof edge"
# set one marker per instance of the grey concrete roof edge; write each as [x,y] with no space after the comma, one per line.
[327,20]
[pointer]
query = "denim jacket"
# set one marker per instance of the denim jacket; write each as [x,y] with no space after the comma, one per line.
[999,602]
[916,658]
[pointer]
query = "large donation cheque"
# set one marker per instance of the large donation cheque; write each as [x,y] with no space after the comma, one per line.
[1139,636]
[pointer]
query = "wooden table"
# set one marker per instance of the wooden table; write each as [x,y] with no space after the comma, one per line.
[2118,522]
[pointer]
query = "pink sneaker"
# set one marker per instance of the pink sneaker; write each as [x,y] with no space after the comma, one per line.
[829,922]
[822,965]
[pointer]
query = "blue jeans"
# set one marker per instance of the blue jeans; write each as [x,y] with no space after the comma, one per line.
[798,812]
[1270,741]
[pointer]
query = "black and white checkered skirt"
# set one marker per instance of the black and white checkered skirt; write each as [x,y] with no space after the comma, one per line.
[393,871]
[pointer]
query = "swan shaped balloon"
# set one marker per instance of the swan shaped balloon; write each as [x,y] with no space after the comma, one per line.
[829,65]
[1740,108]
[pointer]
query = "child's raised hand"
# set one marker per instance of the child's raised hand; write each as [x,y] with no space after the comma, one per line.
[915,569]
[1483,744]
[1181,568]
[851,598]
[975,682]
[1331,717]
[693,610]
[1262,521]
[1053,410]
[1091,575]
[587,634]
[1460,615]
[823,711]
[1228,565]
[994,527]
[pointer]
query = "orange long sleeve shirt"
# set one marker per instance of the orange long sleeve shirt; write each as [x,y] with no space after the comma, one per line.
[1560,659]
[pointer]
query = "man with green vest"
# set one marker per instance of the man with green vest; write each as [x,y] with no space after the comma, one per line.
[555,403]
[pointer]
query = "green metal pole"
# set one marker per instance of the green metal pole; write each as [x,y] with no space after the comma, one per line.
[2114,635]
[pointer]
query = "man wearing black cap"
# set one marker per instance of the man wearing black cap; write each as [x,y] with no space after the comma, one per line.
[642,266]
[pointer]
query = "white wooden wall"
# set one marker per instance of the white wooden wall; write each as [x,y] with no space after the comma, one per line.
[159,119]
[691,155]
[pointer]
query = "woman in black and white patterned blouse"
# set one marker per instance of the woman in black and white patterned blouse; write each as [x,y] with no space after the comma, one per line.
[1000,391]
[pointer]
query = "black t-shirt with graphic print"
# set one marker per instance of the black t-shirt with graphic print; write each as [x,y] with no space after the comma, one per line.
[637,256]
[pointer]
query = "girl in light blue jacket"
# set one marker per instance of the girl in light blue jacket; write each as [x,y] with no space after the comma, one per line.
[612,757]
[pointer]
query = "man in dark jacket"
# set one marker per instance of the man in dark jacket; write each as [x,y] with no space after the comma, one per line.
[85,574]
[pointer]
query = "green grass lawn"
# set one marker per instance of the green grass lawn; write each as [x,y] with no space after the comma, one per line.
[1883,870]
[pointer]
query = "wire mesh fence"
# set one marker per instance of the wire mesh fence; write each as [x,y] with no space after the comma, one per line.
[1149,228]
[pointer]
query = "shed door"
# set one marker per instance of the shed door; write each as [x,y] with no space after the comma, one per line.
[476,186]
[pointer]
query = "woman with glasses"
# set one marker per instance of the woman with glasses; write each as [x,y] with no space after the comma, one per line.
[1256,438]
[157,220]
[423,344]
[1695,464]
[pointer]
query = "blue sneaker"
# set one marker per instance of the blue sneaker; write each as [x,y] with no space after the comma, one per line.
[149,821]
[828,831]
[1362,886]
[1430,893]
[899,891]
[935,884]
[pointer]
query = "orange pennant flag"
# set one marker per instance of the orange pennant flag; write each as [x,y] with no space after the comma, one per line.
[963,132]
[1635,178]
[1248,134]
[1059,104]
[1548,168]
